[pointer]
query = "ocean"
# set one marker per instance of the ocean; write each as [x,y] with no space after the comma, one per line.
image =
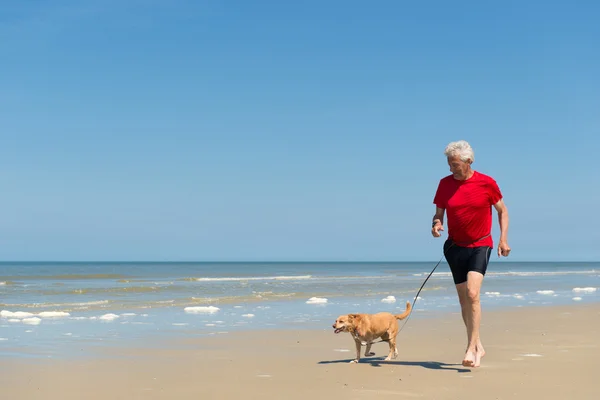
[55,309]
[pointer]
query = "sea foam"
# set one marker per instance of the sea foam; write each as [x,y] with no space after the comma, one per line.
[108,317]
[201,310]
[25,314]
[545,292]
[585,289]
[16,314]
[253,278]
[53,314]
[389,300]
[316,300]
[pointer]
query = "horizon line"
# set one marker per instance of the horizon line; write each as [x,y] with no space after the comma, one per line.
[277,261]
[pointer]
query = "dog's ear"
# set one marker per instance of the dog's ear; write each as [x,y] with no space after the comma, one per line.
[353,316]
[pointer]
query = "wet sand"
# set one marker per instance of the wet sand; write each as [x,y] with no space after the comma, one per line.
[532,352]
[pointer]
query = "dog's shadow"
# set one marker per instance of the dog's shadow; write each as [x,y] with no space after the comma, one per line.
[379,361]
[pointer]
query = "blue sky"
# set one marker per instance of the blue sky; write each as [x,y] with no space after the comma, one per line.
[269,130]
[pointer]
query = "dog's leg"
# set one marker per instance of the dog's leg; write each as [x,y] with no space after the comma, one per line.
[368,352]
[393,349]
[358,345]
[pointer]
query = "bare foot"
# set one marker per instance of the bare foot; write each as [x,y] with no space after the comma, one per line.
[469,359]
[479,353]
[477,362]
[480,349]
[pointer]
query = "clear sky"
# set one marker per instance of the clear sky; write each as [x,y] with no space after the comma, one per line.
[285,130]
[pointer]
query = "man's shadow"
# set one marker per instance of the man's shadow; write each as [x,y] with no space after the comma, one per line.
[379,361]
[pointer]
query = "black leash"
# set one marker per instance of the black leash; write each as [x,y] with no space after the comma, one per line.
[425,281]
[415,299]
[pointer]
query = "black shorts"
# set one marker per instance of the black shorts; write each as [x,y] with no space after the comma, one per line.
[462,260]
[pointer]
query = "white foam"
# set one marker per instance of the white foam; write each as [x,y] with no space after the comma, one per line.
[180,323]
[2,283]
[68,334]
[389,300]
[53,314]
[32,321]
[545,292]
[264,376]
[585,289]
[25,314]
[316,300]
[237,306]
[108,317]
[3,339]
[248,315]
[201,310]
[341,350]
[517,296]
[254,278]
[493,293]
[14,320]
[17,314]
[531,355]
[128,314]
[576,298]
[210,325]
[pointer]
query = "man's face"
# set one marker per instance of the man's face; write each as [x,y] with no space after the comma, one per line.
[459,168]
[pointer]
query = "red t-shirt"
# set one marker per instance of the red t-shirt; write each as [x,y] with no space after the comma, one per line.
[468,206]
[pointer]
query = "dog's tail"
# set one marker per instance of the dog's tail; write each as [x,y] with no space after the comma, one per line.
[405,313]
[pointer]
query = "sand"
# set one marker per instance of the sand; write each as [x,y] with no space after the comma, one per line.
[532,353]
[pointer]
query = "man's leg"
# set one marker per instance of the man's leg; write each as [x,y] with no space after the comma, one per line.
[461,290]
[472,316]
[466,311]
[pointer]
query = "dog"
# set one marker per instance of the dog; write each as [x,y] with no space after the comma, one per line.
[368,327]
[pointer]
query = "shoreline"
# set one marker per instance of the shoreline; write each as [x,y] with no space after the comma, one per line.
[550,352]
[60,338]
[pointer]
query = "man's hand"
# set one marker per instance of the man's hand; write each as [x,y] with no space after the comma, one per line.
[435,231]
[503,249]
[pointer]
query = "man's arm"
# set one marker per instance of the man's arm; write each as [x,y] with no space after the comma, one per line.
[439,215]
[502,220]
[503,247]
[437,224]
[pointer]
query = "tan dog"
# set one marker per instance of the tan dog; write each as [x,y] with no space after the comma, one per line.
[368,327]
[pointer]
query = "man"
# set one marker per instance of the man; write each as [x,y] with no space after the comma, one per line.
[467,197]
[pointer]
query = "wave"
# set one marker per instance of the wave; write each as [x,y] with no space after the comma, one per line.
[64,277]
[251,278]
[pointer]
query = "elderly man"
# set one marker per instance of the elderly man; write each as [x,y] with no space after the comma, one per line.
[467,196]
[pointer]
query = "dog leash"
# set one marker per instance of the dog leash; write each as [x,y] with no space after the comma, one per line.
[423,285]
[431,273]
[414,301]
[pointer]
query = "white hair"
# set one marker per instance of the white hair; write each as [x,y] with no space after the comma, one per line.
[462,149]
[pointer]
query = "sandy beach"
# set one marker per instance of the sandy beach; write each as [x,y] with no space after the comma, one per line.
[532,352]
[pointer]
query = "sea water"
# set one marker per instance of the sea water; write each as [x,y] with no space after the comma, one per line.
[56,309]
